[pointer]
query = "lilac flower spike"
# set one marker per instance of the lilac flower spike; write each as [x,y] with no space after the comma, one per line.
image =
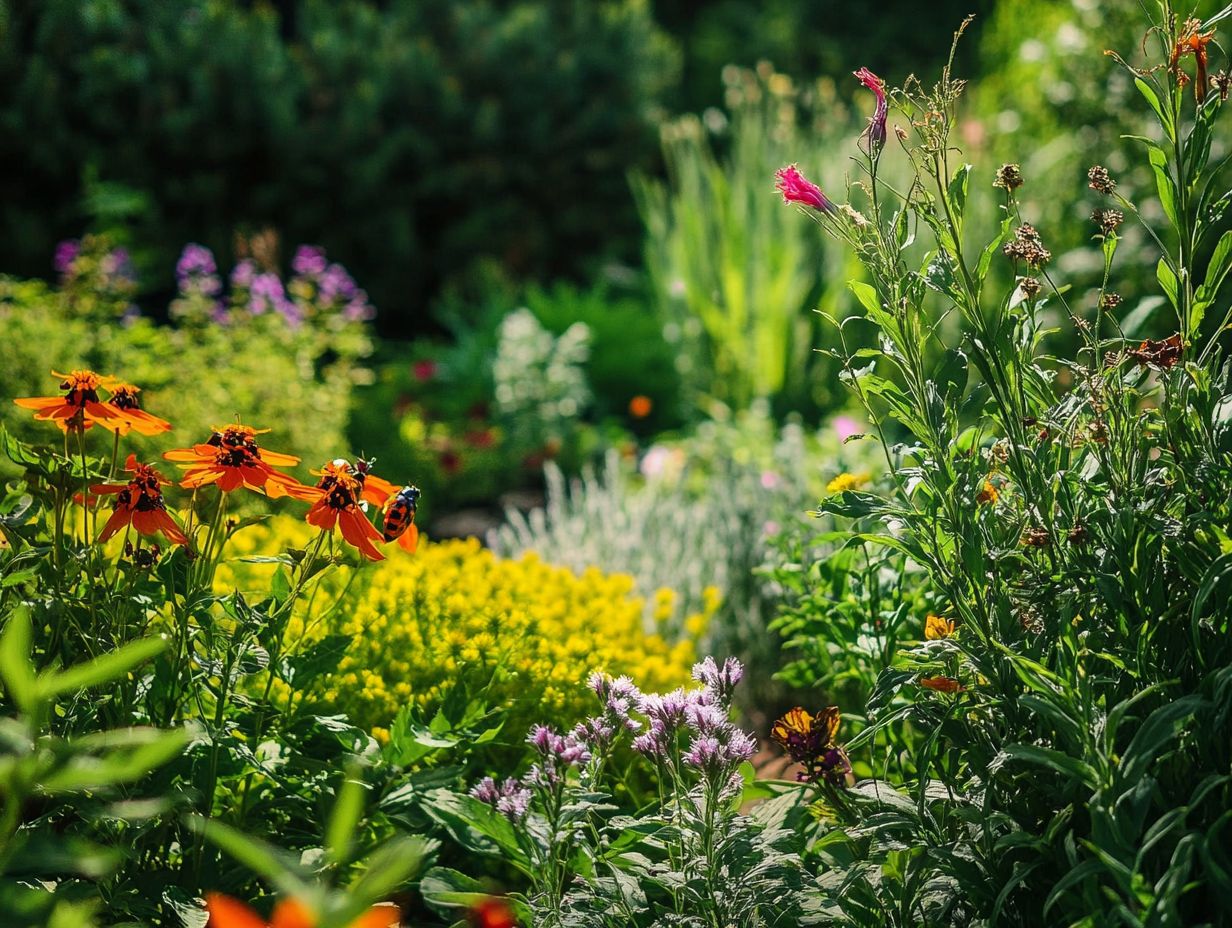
[720,681]
[510,798]
[876,133]
[796,188]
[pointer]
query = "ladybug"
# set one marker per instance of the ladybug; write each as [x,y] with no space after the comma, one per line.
[400,518]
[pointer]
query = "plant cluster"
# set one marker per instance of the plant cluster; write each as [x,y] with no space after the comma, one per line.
[1044,750]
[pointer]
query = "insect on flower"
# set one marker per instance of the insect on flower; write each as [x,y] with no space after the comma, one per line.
[339,495]
[232,459]
[124,398]
[399,522]
[139,503]
[226,912]
[809,740]
[80,407]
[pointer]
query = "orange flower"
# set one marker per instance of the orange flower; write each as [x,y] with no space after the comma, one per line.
[232,460]
[1193,41]
[79,408]
[226,912]
[124,398]
[139,503]
[338,495]
[988,494]
[936,628]
[640,406]
[492,912]
[941,684]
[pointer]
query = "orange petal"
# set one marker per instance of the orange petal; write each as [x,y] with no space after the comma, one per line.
[359,532]
[145,424]
[226,912]
[39,402]
[377,490]
[185,454]
[278,459]
[322,516]
[379,916]
[120,518]
[291,913]
[409,540]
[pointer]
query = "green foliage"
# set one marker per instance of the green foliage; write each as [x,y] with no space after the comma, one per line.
[1057,762]
[408,138]
[735,276]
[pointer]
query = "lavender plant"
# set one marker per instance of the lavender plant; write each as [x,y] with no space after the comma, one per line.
[690,858]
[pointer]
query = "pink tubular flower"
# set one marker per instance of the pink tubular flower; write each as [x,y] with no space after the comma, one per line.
[876,133]
[796,188]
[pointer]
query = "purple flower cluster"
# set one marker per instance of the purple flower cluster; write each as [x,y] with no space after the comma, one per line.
[196,272]
[329,285]
[720,681]
[509,798]
[66,253]
[266,294]
[557,753]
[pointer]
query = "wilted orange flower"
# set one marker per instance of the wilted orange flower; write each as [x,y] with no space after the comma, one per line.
[941,684]
[338,495]
[936,627]
[492,912]
[640,406]
[988,494]
[1193,41]
[232,459]
[226,912]
[139,503]
[80,407]
[1161,354]
[124,398]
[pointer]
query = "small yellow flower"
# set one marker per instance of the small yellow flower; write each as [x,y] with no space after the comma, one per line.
[845,481]
[936,628]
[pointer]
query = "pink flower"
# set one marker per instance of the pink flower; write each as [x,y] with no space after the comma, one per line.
[845,427]
[424,370]
[796,188]
[769,480]
[876,133]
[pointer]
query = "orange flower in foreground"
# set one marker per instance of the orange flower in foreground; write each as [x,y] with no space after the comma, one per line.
[492,912]
[941,684]
[124,398]
[936,628]
[139,503]
[226,912]
[232,459]
[338,495]
[80,407]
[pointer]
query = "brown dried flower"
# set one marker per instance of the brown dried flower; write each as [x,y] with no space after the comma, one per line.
[1029,286]
[1027,246]
[1100,180]
[1222,82]
[1107,220]
[1009,177]
[1110,300]
[1036,537]
[1159,354]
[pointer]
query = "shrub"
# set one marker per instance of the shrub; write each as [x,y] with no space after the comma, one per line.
[462,129]
[456,615]
[699,521]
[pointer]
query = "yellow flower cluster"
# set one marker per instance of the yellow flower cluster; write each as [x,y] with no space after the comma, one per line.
[844,482]
[454,613]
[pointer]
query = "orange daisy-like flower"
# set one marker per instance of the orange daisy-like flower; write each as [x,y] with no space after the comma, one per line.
[936,628]
[941,684]
[139,503]
[80,407]
[231,459]
[124,398]
[339,493]
[226,912]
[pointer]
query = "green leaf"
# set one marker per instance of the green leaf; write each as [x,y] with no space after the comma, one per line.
[1058,761]
[1167,280]
[444,888]
[103,669]
[1164,184]
[344,819]
[1148,93]
[15,665]
[272,864]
